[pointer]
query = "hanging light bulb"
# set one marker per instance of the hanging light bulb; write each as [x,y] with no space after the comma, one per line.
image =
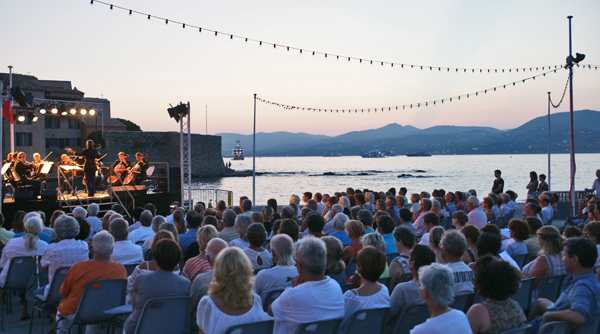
[54,109]
[43,110]
[92,112]
[83,111]
[72,111]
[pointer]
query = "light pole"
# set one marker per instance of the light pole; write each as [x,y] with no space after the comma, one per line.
[254,156]
[549,101]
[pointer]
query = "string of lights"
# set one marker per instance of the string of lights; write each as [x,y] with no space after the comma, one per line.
[334,55]
[563,95]
[412,105]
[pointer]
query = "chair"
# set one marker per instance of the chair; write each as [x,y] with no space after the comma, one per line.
[270,298]
[130,268]
[555,327]
[549,287]
[165,315]
[368,321]
[385,281]
[330,326]
[98,296]
[523,294]
[589,329]
[462,302]
[520,260]
[391,257]
[251,328]
[346,286]
[351,267]
[21,270]
[522,330]
[51,300]
[412,316]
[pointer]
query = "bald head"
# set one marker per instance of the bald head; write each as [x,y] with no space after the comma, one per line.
[213,248]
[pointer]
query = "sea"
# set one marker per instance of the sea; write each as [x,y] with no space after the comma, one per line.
[280,177]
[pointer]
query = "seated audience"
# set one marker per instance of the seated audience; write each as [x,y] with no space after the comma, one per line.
[330,216]
[435,237]
[471,234]
[476,214]
[145,231]
[385,227]
[519,231]
[572,232]
[366,218]
[314,224]
[156,222]
[453,246]
[100,267]
[227,231]
[405,218]
[354,231]
[459,219]
[313,296]
[370,263]
[230,299]
[549,263]
[124,251]
[241,225]
[533,244]
[339,226]
[259,257]
[279,277]
[405,239]
[159,283]
[437,291]
[135,215]
[430,220]
[335,267]
[199,264]
[579,303]
[43,236]
[92,219]
[179,220]
[496,281]
[5,234]
[289,227]
[592,231]
[193,223]
[425,206]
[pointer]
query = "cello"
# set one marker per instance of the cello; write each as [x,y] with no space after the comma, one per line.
[137,168]
[119,170]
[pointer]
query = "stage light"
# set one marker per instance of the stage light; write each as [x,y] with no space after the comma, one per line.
[63,110]
[54,109]
[178,111]
[20,117]
[43,110]
[82,111]
[579,57]
[32,116]
[92,112]
[72,111]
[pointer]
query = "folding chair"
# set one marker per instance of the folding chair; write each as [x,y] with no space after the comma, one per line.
[165,315]
[521,330]
[20,272]
[50,301]
[549,287]
[130,268]
[368,321]
[391,257]
[523,294]
[98,296]
[591,328]
[555,327]
[462,302]
[412,316]
[270,298]
[252,328]
[385,281]
[520,260]
[330,326]
[351,267]
[346,286]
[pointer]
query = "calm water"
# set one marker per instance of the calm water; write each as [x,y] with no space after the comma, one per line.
[284,176]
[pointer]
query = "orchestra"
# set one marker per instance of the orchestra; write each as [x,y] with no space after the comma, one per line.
[19,172]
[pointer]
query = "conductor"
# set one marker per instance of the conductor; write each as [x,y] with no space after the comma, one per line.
[89,167]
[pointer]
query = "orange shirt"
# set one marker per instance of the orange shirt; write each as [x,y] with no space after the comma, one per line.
[79,275]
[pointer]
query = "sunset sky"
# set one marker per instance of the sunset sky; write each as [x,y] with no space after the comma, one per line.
[142,65]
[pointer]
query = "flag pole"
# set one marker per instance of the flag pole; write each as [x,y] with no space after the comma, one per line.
[12,117]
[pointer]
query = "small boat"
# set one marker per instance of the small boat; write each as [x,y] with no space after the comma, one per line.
[374,154]
[332,155]
[238,151]
[418,154]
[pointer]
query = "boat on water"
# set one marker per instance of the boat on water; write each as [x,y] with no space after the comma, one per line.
[332,155]
[418,154]
[374,154]
[238,151]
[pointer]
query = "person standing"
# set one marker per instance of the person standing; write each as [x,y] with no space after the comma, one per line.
[533,184]
[498,186]
[596,185]
[89,167]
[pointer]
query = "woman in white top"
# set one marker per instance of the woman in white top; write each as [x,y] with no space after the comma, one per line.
[259,257]
[436,287]
[230,299]
[241,225]
[371,294]
[28,245]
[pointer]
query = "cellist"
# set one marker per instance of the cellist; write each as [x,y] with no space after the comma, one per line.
[122,165]
[143,166]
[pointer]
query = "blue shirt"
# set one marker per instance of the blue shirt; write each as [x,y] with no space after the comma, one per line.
[581,294]
[451,208]
[43,236]
[411,226]
[188,238]
[368,230]
[342,236]
[390,243]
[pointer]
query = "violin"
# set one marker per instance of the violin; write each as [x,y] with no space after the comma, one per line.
[119,170]
[137,168]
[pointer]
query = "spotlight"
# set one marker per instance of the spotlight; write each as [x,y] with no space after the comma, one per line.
[32,116]
[63,110]
[20,117]
[178,111]
[72,111]
[579,57]
[54,109]
[92,112]
[43,108]
[82,111]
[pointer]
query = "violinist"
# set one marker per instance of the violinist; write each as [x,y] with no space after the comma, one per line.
[23,168]
[121,166]
[37,163]
[143,166]
[90,153]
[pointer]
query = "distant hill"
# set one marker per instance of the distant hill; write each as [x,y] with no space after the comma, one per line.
[531,137]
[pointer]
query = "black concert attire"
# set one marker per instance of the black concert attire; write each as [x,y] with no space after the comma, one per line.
[22,170]
[89,168]
[127,164]
[65,184]
[142,175]
[499,182]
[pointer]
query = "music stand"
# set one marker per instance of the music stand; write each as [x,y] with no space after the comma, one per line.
[71,169]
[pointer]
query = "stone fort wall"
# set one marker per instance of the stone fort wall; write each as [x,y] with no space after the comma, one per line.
[206,156]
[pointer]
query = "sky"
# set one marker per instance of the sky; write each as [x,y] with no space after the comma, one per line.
[142,65]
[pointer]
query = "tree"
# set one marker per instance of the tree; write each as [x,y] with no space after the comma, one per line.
[130,125]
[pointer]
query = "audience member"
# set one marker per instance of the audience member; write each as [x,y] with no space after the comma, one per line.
[549,263]
[425,205]
[430,220]
[335,267]
[519,231]
[124,251]
[453,247]
[199,264]
[314,224]
[476,214]
[385,227]
[405,239]
[279,277]
[289,227]
[93,220]
[405,218]
[366,218]
[145,231]
[137,211]
[259,257]
[5,235]
[179,221]
[592,231]
[193,223]
[339,225]
[241,225]
[459,219]
[435,237]
[201,283]
[471,234]
[354,231]
[156,222]
[247,207]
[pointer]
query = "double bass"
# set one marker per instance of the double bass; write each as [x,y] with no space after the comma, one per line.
[119,170]
[136,169]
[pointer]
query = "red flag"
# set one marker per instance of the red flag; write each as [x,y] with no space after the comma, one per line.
[7,111]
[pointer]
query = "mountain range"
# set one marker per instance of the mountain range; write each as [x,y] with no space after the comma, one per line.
[531,137]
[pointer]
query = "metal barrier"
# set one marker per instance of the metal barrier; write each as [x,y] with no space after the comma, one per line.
[212,196]
[563,205]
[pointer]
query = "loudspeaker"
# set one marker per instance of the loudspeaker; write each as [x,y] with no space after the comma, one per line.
[23,196]
[49,195]
[134,190]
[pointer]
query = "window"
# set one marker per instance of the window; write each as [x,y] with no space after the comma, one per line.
[74,123]
[23,139]
[52,143]
[52,122]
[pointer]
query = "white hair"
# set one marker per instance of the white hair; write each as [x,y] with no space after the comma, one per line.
[283,245]
[33,228]
[473,200]
[369,197]
[337,208]
[29,215]
[93,209]
[80,212]
[339,221]
[345,201]
[311,253]
[103,243]
[438,280]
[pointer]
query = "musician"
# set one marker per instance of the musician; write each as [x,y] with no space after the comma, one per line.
[66,161]
[90,153]
[144,165]
[124,164]
[37,163]
[23,168]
